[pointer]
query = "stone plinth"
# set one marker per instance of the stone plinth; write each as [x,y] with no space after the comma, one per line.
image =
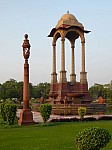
[26,117]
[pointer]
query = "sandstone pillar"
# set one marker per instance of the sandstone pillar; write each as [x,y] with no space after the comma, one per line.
[83,73]
[54,74]
[72,75]
[26,116]
[63,72]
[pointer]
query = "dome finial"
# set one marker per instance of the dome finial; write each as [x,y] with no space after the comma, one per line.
[68,12]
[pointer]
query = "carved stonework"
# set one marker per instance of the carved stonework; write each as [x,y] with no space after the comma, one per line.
[68,27]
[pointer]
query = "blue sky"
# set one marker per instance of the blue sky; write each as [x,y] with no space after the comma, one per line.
[37,18]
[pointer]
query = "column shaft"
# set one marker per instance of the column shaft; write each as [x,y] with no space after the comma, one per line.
[54,75]
[54,59]
[83,57]
[83,79]
[62,54]
[63,72]
[26,87]
[73,62]
[72,76]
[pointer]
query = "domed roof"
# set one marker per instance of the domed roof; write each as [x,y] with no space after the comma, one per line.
[68,20]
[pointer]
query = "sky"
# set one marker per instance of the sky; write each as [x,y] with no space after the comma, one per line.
[37,18]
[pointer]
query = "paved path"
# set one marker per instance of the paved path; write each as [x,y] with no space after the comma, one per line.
[37,117]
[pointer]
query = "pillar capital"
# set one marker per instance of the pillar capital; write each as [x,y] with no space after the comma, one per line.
[53,44]
[62,39]
[83,41]
[72,46]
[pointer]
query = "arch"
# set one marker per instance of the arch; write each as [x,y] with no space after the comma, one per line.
[56,36]
[80,33]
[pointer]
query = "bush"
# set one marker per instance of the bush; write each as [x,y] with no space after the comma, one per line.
[8,112]
[81,112]
[45,110]
[64,120]
[3,112]
[92,139]
[89,119]
[105,118]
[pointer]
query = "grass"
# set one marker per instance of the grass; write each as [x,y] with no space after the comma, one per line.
[60,136]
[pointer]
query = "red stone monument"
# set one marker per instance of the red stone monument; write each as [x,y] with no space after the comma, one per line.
[26,116]
[75,92]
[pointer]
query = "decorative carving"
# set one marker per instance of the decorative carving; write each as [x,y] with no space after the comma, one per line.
[26,47]
[26,116]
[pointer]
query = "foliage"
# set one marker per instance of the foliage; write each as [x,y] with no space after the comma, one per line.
[13,89]
[92,138]
[81,112]
[8,112]
[3,112]
[43,90]
[45,110]
[101,90]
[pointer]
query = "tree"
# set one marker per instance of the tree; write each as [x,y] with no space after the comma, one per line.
[9,89]
[43,90]
[13,89]
[100,90]
[20,90]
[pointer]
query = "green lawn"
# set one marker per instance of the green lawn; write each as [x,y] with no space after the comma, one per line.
[58,137]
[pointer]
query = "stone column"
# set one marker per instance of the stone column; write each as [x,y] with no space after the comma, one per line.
[62,54]
[26,116]
[26,86]
[72,76]
[54,74]
[83,73]
[62,72]
[83,56]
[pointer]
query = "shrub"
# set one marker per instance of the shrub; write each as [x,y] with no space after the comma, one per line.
[45,110]
[105,118]
[3,112]
[90,119]
[81,112]
[92,139]
[8,112]
[64,120]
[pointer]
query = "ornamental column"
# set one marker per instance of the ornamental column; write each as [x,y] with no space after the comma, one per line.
[54,74]
[26,116]
[83,73]
[63,72]
[72,75]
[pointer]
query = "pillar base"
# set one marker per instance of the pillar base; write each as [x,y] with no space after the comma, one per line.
[72,78]
[83,78]
[63,77]
[26,117]
[54,78]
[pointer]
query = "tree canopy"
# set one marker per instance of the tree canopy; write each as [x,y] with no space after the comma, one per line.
[103,90]
[14,89]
